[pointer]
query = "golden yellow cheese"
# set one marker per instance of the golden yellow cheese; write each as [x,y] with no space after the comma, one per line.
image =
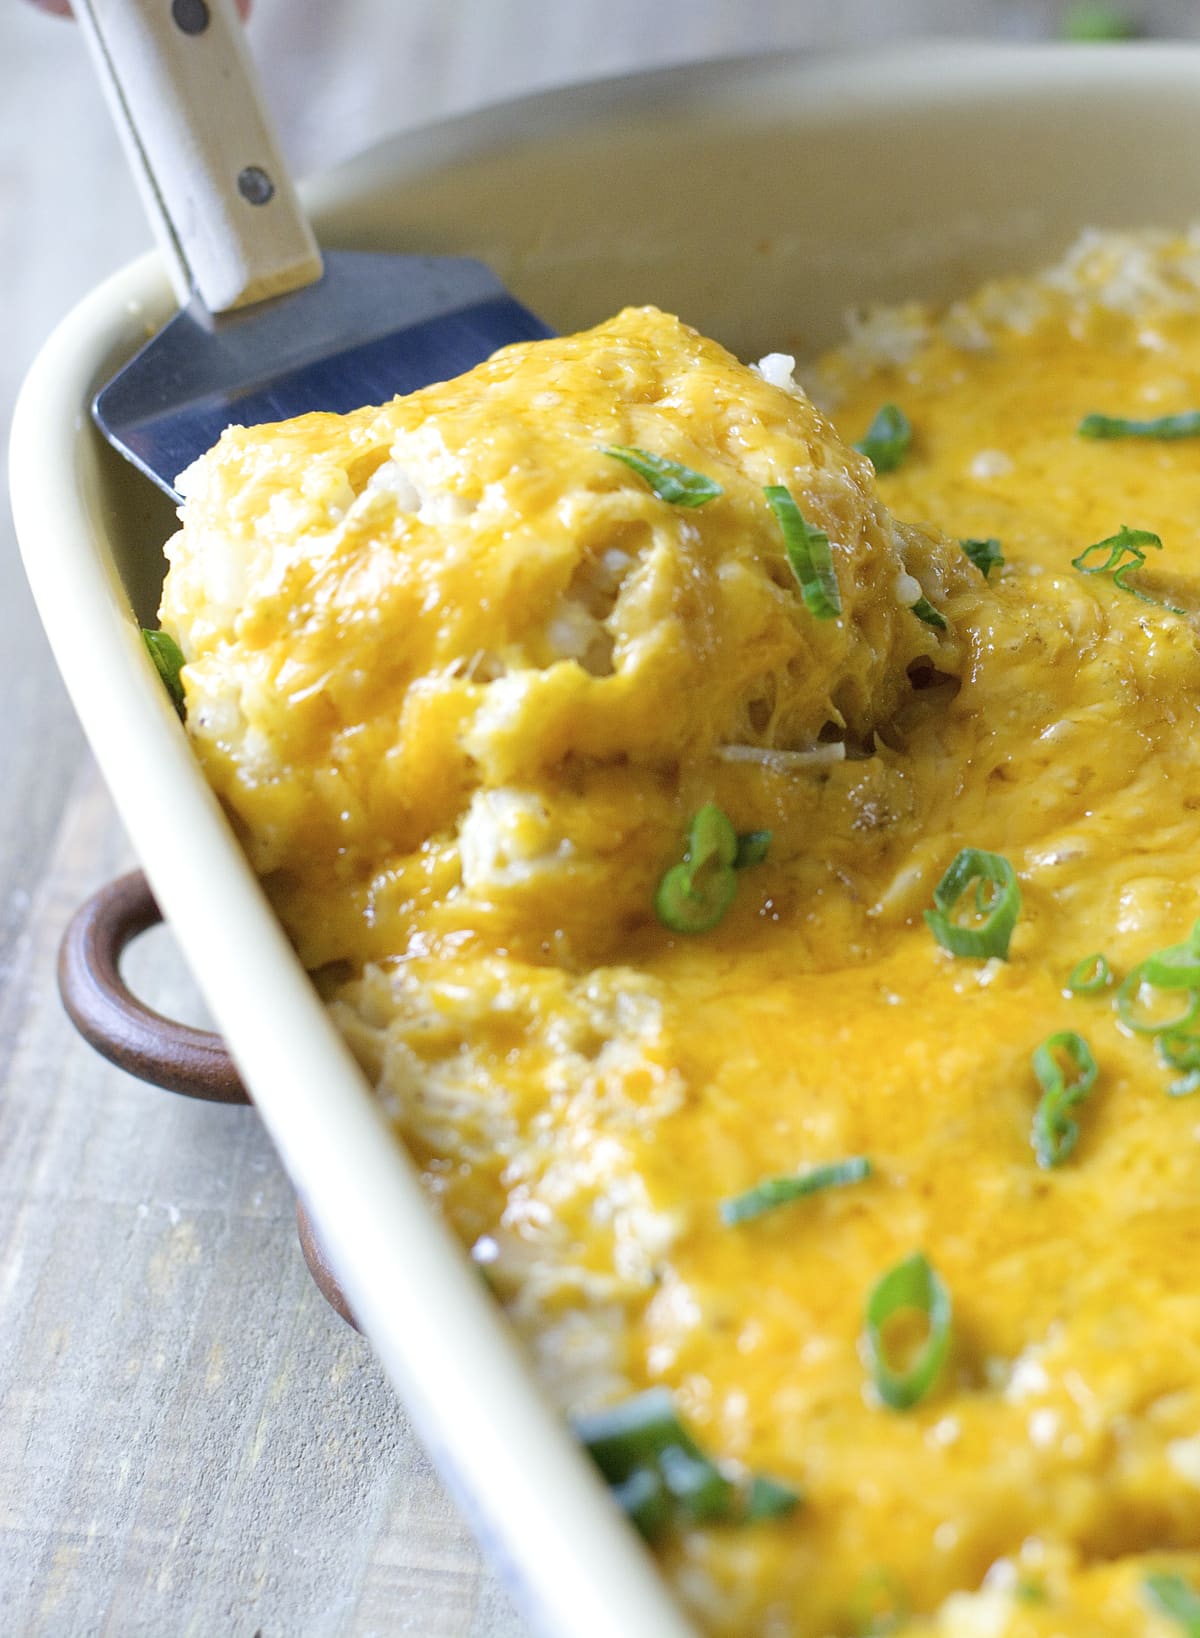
[462,678]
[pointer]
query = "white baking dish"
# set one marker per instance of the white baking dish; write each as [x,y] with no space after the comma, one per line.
[758,200]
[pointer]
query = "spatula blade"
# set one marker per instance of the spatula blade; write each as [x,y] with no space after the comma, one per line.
[372,327]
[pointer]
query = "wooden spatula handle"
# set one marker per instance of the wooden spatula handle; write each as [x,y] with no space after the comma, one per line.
[183,90]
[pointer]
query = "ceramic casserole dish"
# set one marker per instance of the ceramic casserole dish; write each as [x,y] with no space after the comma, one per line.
[758,200]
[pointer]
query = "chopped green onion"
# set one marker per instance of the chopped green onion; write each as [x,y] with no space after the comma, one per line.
[1164,426]
[1178,966]
[1096,23]
[1000,907]
[781,1191]
[631,1434]
[986,555]
[887,439]
[1136,1010]
[809,554]
[645,1501]
[1090,976]
[768,1499]
[660,1476]
[1126,551]
[694,895]
[1180,1051]
[1172,1596]
[913,1285]
[752,847]
[1055,1134]
[924,610]
[168,662]
[701,1492]
[642,1440]
[669,480]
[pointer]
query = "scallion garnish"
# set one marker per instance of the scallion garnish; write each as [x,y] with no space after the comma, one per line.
[1066,1072]
[1168,427]
[1177,967]
[1138,1010]
[168,662]
[694,895]
[1124,552]
[887,439]
[808,553]
[780,1191]
[660,1476]
[1180,1051]
[669,480]
[924,610]
[997,902]
[1090,976]
[986,555]
[752,848]
[1172,1596]
[768,1499]
[645,1501]
[912,1285]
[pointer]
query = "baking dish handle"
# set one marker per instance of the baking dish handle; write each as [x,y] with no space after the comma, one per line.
[110,1017]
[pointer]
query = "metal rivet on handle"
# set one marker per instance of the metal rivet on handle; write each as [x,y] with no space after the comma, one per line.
[255,185]
[192,16]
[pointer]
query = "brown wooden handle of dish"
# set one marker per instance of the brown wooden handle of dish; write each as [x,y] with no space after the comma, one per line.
[110,1017]
[320,1268]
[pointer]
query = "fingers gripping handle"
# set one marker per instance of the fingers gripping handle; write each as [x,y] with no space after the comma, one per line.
[183,90]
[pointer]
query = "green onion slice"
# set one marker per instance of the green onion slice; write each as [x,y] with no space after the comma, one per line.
[1180,1051]
[768,1499]
[997,901]
[645,1501]
[669,480]
[1066,1071]
[1139,1011]
[924,610]
[168,662]
[685,907]
[1124,552]
[912,1284]
[1178,966]
[752,848]
[1186,425]
[1172,1596]
[659,1475]
[1090,976]
[693,896]
[656,1470]
[780,1191]
[809,554]
[986,555]
[887,439]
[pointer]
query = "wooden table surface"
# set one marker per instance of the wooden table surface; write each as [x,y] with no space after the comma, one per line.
[190,1441]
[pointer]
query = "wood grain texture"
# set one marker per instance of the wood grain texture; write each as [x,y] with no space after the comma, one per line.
[190,1442]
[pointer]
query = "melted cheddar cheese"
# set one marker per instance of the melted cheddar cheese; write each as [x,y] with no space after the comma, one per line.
[461,678]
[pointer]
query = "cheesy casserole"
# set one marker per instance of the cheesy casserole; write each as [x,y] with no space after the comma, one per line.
[769,922]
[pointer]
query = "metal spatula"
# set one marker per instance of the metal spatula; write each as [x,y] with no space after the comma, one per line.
[268,329]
